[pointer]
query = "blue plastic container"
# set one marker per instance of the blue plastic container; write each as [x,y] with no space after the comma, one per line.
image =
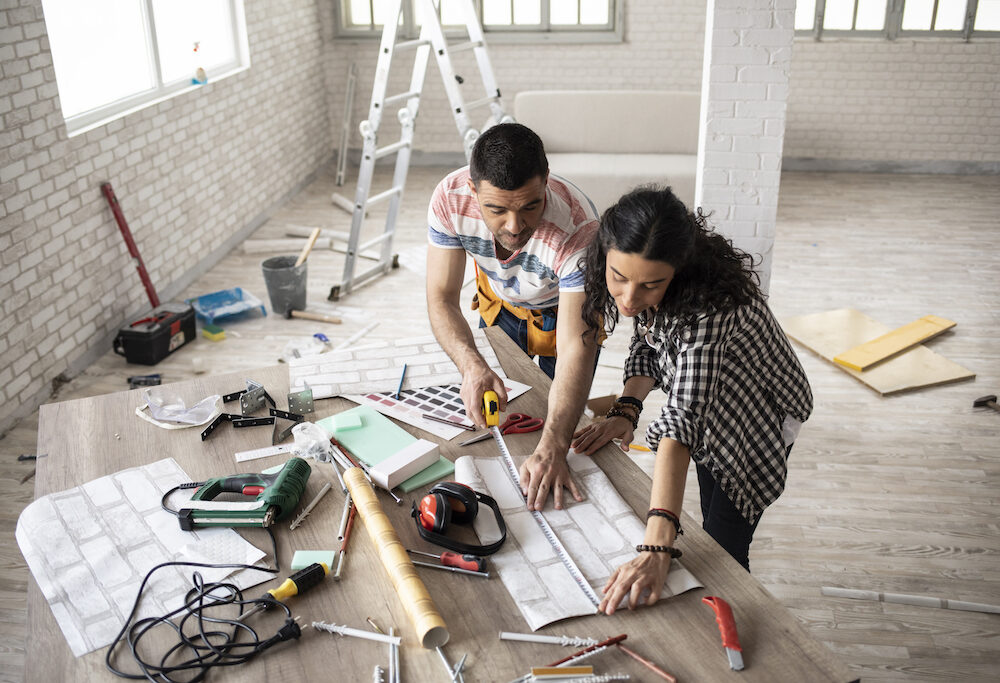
[226,303]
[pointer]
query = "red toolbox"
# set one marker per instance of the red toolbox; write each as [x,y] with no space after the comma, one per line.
[150,340]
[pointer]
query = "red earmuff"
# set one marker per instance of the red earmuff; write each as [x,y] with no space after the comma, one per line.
[447,502]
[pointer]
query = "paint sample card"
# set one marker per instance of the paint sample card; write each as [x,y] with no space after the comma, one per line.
[378,367]
[444,402]
[600,533]
[90,547]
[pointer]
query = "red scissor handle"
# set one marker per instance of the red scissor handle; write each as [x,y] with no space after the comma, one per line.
[519,423]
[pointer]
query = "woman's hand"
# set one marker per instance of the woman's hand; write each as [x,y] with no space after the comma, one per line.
[647,572]
[596,434]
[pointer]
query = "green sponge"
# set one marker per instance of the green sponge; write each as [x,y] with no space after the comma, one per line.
[304,558]
[343,423]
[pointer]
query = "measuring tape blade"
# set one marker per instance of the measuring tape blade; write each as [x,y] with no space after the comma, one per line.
[547,531]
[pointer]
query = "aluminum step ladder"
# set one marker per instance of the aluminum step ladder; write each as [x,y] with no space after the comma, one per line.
[431,38]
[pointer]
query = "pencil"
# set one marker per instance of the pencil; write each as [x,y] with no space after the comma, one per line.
[435,418]
[639,448]
[401,378]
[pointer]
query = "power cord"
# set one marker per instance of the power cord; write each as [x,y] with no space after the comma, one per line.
[204,646]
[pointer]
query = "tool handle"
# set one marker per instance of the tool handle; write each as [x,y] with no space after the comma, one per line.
[471,563]
[306,249]
[491,408]
[305,315]
[727,623]
[301,581]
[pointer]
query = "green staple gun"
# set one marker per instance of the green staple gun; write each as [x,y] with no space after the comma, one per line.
[276,497]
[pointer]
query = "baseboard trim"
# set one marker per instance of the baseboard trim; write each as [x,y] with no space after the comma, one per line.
[941,167]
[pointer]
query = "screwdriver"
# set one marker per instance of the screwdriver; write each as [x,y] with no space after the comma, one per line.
[470,563]
[296,584]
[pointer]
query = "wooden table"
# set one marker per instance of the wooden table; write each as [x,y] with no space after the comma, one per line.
[93,437]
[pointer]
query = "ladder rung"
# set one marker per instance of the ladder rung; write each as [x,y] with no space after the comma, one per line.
[391,149]
[372,242]
[382,196]
[410,44]
[401,96]
[481,102]
[471,45]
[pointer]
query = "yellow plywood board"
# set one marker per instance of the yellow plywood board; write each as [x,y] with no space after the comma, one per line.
[829,333]
[866,355]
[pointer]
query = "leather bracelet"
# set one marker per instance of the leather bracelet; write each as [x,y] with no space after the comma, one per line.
[674,552]
[619,412]
[629,401]
[667,514]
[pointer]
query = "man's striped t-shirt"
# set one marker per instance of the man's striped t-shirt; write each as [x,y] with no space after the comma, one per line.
[548,264]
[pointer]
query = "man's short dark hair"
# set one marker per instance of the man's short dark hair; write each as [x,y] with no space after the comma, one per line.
[507,156]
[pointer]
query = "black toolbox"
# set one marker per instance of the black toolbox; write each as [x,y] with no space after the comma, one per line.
[150,340]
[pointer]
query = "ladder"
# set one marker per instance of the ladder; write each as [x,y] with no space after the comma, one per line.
[431,38]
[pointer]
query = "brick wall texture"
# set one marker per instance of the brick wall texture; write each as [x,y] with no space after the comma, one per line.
[189,173]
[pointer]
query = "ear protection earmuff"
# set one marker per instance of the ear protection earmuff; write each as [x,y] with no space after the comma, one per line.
[454,503]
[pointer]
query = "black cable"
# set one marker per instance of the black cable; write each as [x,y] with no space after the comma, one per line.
[205,646]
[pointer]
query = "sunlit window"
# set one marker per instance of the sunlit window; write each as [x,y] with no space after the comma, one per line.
[506,17]
[114,56]
[894,18]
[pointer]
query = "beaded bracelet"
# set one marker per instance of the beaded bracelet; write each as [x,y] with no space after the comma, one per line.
[674,552]
[632,417]
[663,512]
[629,401]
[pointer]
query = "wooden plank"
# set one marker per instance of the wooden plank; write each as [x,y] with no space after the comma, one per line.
[828,333]
[91,437]
[866,355]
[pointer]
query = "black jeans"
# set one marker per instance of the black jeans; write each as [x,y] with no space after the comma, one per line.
[722,520]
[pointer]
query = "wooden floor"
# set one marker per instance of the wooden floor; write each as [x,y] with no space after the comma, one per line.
[892,494]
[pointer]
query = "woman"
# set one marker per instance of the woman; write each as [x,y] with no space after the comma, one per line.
[736,393]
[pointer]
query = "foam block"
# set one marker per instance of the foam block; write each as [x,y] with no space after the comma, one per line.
[344,423]
[404,463]
[303,558]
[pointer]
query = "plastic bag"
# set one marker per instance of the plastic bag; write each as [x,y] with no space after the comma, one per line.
[166,405]
[312,441]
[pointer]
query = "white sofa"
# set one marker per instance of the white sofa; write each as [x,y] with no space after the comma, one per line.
[608,141]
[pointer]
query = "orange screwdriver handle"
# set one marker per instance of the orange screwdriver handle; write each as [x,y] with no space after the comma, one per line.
[470,563]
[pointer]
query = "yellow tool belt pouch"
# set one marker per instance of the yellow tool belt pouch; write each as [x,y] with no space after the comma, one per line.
[541,342]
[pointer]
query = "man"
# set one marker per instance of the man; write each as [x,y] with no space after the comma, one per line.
[526,232]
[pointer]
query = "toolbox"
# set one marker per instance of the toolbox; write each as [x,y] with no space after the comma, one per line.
[153,338]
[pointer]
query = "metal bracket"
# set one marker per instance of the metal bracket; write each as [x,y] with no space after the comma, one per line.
[294,417]
[301,401]
[252,422]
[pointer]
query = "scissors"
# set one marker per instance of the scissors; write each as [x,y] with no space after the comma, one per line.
[516,423]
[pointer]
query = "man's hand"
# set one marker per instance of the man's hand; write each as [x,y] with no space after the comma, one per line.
[543,472]
[647,572]
[475,383]
[596,434]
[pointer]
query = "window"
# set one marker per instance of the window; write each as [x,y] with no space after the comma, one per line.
[513,20]
[898,18]
[112,57]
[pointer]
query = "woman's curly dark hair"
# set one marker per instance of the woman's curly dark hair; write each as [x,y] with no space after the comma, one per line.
[710,273]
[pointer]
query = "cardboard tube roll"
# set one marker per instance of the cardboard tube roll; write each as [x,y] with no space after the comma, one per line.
[416,600]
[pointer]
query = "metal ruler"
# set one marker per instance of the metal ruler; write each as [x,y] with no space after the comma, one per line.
[547,531]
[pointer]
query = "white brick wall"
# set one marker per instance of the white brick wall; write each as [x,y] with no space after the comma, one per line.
[662,50]
[189,172]
[907,100]
[745,87]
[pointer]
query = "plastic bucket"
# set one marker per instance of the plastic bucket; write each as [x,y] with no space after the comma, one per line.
[286,283]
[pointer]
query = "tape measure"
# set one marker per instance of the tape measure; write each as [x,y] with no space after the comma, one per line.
[550,535]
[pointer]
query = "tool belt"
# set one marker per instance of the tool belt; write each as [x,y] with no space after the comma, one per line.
[541,342]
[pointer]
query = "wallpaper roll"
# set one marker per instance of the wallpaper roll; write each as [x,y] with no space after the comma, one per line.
[416,600]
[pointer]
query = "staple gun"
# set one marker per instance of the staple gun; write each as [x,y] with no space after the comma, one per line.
[276,496]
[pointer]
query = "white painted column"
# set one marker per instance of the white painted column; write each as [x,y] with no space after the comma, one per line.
[748,50]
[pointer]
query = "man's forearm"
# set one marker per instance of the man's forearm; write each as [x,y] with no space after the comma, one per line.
[454,334]
[570,388]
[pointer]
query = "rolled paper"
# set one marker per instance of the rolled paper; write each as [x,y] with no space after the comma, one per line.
[412,593]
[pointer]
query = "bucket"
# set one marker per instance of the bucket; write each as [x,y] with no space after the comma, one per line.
[286,283]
